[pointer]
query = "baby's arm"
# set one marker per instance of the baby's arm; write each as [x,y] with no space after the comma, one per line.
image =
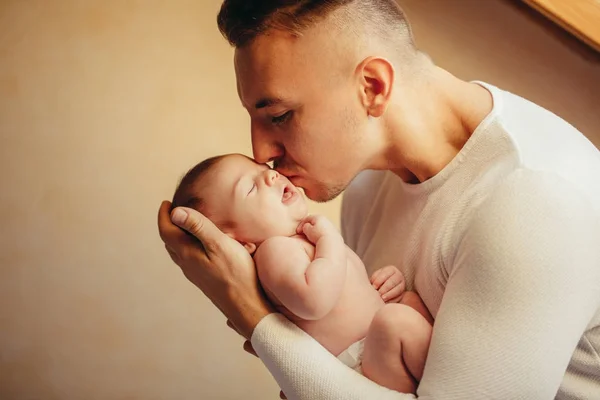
[390,283]
[307,288]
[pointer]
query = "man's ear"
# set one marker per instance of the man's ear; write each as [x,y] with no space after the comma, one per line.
[376,78]
[251,247]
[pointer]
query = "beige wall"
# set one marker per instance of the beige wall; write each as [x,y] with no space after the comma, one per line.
[103,104]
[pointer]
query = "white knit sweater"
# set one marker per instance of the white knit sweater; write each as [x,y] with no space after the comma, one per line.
[503,245]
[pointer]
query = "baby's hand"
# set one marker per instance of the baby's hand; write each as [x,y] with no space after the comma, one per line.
[314,227]
[390,283]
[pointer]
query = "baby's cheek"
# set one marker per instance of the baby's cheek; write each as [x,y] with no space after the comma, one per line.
[267,226]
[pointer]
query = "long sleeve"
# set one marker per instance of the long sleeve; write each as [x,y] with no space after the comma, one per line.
[305,370]
[523,289]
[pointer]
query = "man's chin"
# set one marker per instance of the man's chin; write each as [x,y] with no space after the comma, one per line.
[322,193]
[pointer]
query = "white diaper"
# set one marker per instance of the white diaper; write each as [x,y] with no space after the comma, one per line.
[353,355]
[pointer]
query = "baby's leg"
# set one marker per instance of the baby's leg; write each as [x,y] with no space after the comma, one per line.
[396,347]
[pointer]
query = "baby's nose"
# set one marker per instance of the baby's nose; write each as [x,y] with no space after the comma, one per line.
[271,176]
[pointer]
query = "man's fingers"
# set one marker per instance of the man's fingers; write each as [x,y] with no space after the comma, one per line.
[248,347]
[170,234]
[173,255]
[198,225]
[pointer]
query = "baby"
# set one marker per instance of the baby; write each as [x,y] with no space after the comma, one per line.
[309,274]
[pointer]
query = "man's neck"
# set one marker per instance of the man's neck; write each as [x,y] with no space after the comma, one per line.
[432,125]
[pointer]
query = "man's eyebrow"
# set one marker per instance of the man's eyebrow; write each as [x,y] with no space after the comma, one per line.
[267,102]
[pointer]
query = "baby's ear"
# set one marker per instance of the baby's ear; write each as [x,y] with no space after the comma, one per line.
[251,247]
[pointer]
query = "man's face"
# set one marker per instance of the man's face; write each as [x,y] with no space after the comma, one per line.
[305,111]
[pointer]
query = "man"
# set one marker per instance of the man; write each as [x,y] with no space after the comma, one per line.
[488,203]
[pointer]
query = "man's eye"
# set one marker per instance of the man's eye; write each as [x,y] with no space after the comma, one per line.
[280,119]
[252,189]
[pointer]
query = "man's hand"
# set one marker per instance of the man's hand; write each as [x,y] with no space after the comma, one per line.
[314,227]
[390,283]
[216,264]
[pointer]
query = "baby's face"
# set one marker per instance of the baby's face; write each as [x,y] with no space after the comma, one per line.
[259,202]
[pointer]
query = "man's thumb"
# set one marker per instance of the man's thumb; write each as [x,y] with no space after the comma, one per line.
[179,216]
[194,222]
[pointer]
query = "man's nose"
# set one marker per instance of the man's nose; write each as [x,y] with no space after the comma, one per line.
[271,177]
[264,148]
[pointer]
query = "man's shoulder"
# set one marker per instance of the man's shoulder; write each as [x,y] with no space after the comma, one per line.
[533,219]
[527,192]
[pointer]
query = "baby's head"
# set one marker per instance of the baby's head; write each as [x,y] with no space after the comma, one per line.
[248,201]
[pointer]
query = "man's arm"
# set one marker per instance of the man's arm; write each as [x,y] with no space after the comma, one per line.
[309,289]
[523,287]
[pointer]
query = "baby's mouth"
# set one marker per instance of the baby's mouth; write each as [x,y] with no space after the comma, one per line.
[288,193]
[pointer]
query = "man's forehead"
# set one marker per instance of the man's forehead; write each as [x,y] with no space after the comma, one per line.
[267,69]
[273,44]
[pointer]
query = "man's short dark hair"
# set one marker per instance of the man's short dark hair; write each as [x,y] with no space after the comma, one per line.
[241,21]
